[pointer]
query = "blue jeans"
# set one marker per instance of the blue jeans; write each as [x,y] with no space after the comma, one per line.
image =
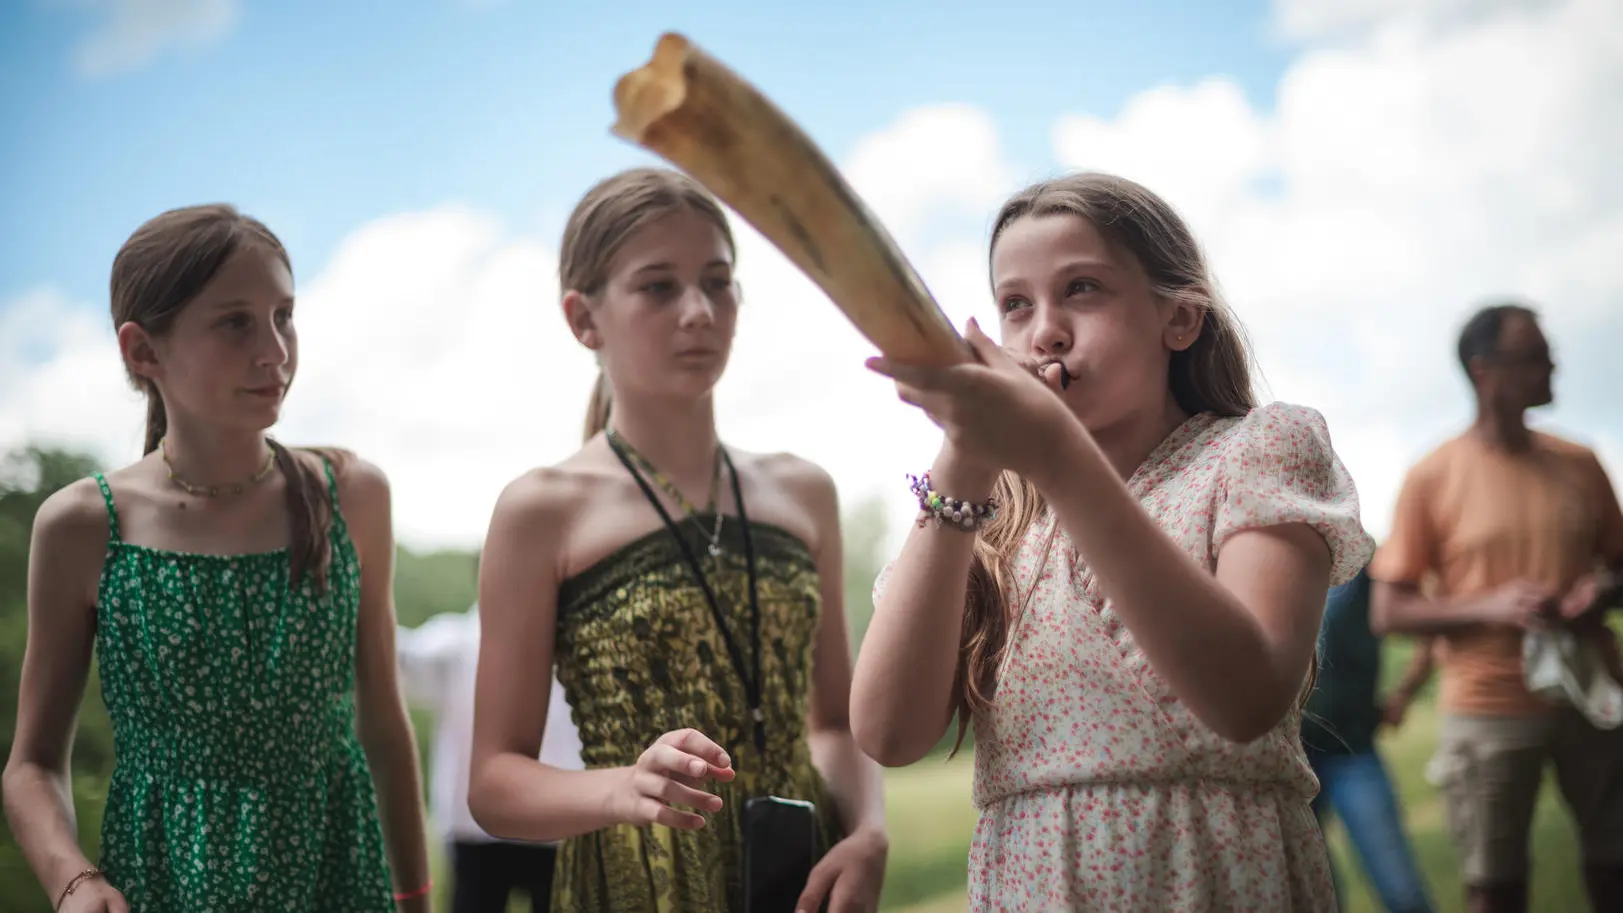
[1356,788]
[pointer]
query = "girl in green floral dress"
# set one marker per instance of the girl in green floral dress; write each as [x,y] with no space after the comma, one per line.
[237,594]
[705,657]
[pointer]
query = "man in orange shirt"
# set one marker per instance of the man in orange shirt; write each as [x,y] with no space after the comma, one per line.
[1518,529]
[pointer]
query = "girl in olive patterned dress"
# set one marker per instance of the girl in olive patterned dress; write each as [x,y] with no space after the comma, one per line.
[238,597]
[703,649]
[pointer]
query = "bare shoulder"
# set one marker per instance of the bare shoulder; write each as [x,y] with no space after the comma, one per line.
[70,536]
[1438,460]
[363,487]
[1567,449]
[353,472]
[809,499]
[535,527]
[545,498]
[807,481]
[73,517]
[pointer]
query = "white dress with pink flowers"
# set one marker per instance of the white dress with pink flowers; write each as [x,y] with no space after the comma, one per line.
[1098,790]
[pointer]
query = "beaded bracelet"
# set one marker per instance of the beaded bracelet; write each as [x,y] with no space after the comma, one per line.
[73,885]
[960,515]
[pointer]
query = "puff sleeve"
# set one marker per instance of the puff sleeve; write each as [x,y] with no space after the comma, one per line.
[1279,468]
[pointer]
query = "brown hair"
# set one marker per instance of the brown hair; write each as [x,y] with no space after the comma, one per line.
[1212,375]
[160,269]
[605,218]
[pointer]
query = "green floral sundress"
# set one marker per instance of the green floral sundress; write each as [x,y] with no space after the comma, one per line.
[239,782]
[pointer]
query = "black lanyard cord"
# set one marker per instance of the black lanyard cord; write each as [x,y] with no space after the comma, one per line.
[751,683]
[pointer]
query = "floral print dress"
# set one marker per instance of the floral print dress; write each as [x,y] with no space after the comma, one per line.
[1097,789]
[239,782]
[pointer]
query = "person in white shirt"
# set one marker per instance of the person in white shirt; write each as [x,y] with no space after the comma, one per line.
[437,662]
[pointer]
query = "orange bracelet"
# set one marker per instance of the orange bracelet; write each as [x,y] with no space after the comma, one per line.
[413,895]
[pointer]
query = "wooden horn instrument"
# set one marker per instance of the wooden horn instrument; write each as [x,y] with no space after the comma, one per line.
[691,110]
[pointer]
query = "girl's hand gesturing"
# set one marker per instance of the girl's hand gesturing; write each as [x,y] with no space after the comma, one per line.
[671,773]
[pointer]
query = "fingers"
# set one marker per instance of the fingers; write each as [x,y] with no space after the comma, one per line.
[822,878]
[1527,589]
[913,396]
[910,375]
[672,792]
[1530,604]
[654,811]
[989,352]
[1530,618]
[668,759]
[697,745]
[1579,600]
[1572,608]
[671,773]
[845,899]
[1541,607]
[929,404]
[932,390]
[926,378]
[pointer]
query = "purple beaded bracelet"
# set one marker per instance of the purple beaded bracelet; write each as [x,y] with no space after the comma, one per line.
[945,511]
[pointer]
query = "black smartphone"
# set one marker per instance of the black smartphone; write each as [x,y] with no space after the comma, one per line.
[780,848]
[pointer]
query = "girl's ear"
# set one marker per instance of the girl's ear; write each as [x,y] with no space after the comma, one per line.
[1183,326]
[140,351]
[578,312]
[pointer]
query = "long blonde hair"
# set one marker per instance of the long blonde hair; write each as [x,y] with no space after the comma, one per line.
[609,214]
[1212,375]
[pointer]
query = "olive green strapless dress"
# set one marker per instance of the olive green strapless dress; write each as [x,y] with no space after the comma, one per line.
[639,655]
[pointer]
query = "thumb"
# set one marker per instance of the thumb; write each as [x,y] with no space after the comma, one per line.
[817,888]
[989,352]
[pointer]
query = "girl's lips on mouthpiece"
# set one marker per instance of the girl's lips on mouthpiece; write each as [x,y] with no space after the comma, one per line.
[1064,373]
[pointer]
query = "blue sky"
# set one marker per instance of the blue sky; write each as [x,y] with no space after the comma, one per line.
[320,116]
[1362,173]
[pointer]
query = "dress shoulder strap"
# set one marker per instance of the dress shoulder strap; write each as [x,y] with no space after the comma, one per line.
[112,512]
[339,525]
[332,482]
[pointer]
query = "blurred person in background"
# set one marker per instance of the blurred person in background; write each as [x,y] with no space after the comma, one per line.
[1520,530]
[438,664]
[1338,733]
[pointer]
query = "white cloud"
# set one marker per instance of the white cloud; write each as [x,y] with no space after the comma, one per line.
[941,159]
[469,375]
[131,33]
[1202,146]
[61,380]
[1395,185]
[1328,20]
[1426,159]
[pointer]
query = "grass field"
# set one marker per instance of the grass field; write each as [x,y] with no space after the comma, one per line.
[931,820]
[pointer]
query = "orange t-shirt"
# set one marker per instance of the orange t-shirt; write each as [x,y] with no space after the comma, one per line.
[1473,518]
